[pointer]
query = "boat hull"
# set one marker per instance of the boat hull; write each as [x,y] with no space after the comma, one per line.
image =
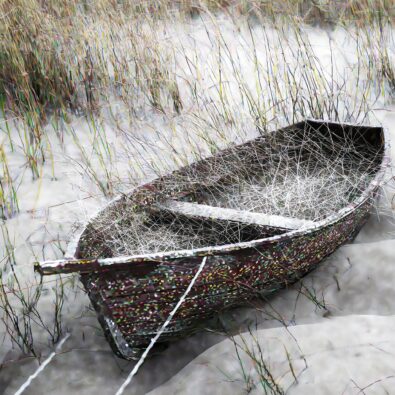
[133,295]
[133,303]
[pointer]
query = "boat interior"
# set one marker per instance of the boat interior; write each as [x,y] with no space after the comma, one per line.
[281,181]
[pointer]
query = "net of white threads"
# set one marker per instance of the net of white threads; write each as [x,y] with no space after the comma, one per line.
[156,337]
[276,178]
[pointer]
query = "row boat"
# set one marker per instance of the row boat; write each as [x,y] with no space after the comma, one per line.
[264,213]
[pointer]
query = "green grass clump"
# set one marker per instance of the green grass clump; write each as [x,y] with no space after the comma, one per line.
[33,70]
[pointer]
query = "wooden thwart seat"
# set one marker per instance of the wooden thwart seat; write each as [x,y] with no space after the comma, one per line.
[226,214]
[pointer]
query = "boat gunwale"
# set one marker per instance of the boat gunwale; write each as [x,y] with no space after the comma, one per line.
[72,249]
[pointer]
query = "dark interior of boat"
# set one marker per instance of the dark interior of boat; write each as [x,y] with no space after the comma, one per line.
[285,180]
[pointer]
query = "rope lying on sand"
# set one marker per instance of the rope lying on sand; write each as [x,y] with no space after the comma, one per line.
[156,337]
[42,366]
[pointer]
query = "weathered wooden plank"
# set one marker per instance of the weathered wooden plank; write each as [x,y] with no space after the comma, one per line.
[189,210]
[226,214]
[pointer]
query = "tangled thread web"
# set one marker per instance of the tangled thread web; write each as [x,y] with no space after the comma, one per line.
[299,173]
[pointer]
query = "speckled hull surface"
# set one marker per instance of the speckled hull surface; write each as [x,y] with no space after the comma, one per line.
[133,307]
[134,295]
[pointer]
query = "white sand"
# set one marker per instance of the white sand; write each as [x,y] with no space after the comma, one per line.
[347,346]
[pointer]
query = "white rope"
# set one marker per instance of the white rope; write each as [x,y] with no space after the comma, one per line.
[156,337]
[41,367]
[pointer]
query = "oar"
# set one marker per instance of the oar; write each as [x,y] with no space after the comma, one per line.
[138,264]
